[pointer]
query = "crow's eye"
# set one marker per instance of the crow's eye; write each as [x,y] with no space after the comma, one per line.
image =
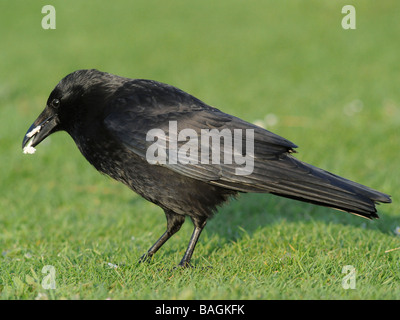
[55,103]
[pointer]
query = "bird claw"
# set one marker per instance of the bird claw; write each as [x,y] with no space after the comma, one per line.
[188,265]
[185,265]
[145,258]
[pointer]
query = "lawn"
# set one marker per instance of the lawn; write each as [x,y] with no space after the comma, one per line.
[289,66]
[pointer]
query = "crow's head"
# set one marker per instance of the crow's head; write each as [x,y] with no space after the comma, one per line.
[68,104]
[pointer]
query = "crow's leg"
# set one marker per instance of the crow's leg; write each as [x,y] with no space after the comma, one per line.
[174,223]
[199,224]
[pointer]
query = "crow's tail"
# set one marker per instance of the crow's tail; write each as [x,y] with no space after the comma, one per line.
[324,188]
[291,178]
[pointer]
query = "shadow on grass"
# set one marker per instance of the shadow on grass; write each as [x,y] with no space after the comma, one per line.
[253,211]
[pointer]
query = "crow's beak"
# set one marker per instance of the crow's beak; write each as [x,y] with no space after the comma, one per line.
[43,126]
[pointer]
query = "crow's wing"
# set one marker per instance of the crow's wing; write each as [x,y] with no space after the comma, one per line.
[149,105]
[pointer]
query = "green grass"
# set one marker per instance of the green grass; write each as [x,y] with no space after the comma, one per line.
[291,59]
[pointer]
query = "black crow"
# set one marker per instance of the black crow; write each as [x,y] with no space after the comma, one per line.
[155,138]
